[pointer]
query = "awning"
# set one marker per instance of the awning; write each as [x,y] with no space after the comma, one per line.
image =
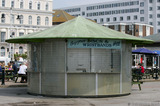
[157,51]
[143,51]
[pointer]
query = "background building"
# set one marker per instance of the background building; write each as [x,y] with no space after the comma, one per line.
[139,11]
[60,16]
[135,29]
[19,17]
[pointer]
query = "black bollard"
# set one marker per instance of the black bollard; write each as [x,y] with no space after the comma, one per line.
[155,76]
[3,77]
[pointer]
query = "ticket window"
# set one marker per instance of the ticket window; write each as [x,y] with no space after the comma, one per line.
[93,60]
[78,60]
[106,60]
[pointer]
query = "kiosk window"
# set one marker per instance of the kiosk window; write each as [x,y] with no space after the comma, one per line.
[78,60]
[93,60]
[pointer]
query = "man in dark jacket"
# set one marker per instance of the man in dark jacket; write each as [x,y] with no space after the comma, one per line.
[0,70]
[0,67]
[14,68]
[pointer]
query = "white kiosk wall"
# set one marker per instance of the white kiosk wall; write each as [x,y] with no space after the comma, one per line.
[97,69]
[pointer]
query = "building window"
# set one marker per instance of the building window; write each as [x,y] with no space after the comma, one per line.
[114,19]
[158,15]
[158,7]
[121,18]
[158,23]
[151,23]
[3,36]
[108,19]
[150,1]
[21,19]
[30,20]
[142,19]
[11,53]
[128,18]
[21,33]
[116,27]
[140,30]
[158,0]
[141,11]
[30,5]
[3,51]
[38,20]
[38,6]
[3,18]
[47,6]
[150,16]
[12,19]
[12,3]
[46,21]
[158,30]
[135,17]
[83,13]
[101,20]
[3,3]
[95,20]
[20,50]
[142,4]
[21,4]
[150,8]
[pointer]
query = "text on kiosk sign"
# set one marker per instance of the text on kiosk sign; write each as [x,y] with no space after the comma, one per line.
[94,43]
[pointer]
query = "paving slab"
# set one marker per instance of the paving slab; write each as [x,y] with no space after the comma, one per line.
[148,96]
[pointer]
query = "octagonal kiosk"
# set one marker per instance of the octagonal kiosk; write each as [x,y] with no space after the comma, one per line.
[79,58]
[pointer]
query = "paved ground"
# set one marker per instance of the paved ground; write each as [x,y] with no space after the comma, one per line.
[17,96]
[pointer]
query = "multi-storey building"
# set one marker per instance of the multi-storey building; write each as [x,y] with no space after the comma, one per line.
[135,29]
[19,17]
[138,11]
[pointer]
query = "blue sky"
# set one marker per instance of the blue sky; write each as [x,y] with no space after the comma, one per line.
[67,3]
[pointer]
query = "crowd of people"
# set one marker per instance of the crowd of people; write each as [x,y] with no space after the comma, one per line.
[21,71]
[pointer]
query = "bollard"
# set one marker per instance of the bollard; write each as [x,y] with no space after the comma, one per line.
[155,76]
[3,77]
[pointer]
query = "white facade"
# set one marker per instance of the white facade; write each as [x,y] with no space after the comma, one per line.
[139,11]
[19,17]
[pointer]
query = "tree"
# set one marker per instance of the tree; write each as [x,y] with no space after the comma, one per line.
[24,56]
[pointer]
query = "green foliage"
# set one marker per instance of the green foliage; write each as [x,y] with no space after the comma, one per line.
[24,56]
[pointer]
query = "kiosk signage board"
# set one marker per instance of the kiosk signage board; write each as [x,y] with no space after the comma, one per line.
[94,43]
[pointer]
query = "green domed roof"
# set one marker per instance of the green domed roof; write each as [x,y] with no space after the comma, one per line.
[77,28]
